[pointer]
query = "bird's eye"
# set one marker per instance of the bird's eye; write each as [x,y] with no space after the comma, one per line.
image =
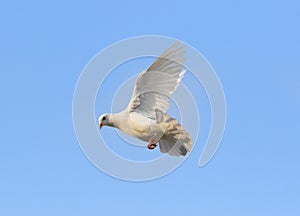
[103,119]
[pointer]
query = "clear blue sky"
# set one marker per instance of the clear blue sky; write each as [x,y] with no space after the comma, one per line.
[253,46]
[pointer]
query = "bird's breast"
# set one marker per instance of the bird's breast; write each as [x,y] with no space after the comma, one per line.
[139,123]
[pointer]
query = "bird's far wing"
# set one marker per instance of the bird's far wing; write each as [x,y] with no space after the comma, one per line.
[154,86]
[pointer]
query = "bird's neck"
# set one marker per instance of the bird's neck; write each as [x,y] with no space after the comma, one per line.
[120,120]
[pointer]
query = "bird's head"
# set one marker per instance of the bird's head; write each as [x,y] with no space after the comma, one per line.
[105,120]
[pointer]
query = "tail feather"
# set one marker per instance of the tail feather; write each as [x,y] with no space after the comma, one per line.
[176,140]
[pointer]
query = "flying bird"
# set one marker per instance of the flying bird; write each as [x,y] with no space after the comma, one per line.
[146,116]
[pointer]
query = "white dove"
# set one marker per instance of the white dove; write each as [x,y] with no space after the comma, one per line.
[145,117]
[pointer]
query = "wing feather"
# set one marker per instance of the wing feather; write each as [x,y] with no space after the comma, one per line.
[155,86]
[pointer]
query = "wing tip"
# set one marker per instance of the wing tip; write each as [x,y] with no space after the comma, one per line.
[176,49]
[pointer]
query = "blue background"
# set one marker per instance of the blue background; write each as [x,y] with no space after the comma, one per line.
[254,48]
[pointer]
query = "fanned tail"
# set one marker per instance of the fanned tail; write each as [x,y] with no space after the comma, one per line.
[176,140]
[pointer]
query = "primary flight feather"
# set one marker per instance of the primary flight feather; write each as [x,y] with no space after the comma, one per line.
[146,116]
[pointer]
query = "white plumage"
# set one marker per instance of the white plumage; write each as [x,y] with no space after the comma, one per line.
[145,116]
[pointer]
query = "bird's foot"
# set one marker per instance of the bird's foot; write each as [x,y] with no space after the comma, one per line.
[151,146]
[152,143]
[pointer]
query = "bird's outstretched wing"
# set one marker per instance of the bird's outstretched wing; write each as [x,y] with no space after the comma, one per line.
[153,87]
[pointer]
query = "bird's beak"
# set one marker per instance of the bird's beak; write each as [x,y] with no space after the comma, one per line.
[100,125]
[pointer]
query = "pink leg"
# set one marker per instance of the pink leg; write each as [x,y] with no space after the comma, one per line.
[152,144]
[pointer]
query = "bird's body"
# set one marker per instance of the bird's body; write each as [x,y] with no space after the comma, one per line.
[145,117]
[137,125]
